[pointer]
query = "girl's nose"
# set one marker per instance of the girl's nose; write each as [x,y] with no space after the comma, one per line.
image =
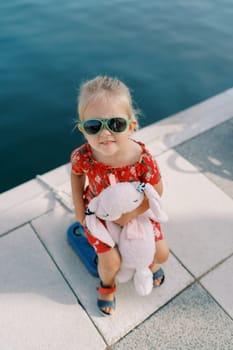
[105,131]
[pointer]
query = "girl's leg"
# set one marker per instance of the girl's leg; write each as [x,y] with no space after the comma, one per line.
[108,264]
[161,255]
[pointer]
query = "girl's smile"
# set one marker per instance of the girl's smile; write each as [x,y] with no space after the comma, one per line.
[107,142]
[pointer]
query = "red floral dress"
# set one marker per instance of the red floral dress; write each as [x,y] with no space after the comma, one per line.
[145,170]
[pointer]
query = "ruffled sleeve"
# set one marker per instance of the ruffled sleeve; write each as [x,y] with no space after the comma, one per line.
[79,159]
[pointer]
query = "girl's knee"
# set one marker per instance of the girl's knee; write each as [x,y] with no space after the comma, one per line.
[108,265]
[110,260]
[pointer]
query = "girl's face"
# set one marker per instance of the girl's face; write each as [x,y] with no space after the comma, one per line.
[107,144]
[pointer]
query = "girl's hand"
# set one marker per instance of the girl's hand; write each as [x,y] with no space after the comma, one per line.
[125,218]
[84,222]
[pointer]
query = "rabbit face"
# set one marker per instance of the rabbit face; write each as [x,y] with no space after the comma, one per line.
[116,200]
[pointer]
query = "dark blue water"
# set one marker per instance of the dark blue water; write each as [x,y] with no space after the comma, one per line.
[172,54]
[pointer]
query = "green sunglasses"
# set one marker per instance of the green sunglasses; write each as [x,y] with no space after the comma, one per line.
[114,125]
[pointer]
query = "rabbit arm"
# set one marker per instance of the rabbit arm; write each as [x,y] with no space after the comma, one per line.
[114,231]
[98,230]
[155,204]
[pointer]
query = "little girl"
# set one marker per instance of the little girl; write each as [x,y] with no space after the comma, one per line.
[107,120]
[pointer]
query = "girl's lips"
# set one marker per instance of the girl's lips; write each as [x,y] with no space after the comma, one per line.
[106,142]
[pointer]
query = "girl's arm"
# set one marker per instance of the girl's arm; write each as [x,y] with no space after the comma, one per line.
[77,186]
[159,187]
[125,218]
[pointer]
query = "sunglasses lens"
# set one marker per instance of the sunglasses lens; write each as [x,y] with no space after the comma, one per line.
[92,127]
[117,124]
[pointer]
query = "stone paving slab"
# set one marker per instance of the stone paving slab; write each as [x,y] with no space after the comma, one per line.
[219,284]
[19,194]
[38,309]
[174,130]
[191,321]
[212,153]
[32,200]
[33,188]
[23,212]
[131,308]
[200,215]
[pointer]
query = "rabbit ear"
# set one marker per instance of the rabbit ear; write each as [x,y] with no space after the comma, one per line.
[155,203]
[98,230]
[114,231]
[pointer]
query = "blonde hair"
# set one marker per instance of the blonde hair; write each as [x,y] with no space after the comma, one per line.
[104,87]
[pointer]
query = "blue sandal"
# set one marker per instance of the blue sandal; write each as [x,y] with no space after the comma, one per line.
[106,303]
[157,274]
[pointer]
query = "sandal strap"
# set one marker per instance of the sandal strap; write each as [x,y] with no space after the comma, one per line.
[106,289]
[106,303]
[157,274]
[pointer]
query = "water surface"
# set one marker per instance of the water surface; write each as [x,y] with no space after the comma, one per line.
[172,54]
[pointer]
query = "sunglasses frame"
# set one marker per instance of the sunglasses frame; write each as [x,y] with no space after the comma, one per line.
[104,123]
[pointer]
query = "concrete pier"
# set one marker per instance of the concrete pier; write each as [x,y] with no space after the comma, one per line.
[47,297]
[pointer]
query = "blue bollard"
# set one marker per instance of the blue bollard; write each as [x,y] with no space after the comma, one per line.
[78,241]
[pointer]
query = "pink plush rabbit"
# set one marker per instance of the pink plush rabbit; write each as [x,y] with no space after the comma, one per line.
[135,240]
